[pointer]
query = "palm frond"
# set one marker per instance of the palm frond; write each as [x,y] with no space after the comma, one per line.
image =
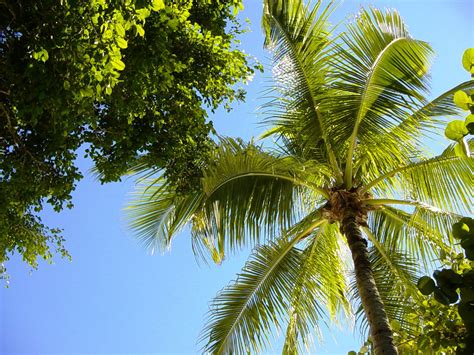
[244,314]
[300,40]
[420,125]
[444,181]
[250,193]
[381,75]
[422,233]
[442,106]
[320,284]
[156,212]
[244,194]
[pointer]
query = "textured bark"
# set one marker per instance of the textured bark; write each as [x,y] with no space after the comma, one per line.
[382,335]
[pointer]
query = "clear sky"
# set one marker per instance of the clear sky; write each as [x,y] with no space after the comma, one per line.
[114,297]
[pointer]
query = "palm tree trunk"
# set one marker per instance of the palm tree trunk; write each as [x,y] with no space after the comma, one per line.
[382,336]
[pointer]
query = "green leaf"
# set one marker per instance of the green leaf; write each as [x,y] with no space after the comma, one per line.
[121,42]
[441,297]
[157,5]
[455,130]
[426,285]
[468,60]
[118,64]
[470,223]
[462,100]
[450,294]
[469,122]
[469,252]
[143,13]
[140,30]
[120,29]
[460,230]
[467,243]
[466,311]
[86,92]
[41,55]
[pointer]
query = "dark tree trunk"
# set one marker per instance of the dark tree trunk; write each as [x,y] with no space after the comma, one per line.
[382,336]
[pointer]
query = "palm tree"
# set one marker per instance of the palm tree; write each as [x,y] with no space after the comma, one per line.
[348,174]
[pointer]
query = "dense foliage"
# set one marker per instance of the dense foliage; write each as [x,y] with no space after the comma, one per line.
[129,79]
[457,130]
[453,284]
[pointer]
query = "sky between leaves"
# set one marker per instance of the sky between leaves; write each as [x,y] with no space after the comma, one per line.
[114,297]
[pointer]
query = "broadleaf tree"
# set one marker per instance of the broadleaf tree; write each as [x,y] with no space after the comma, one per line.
[125,80]
[348,175]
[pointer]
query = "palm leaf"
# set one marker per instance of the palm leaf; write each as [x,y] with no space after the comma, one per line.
[443,181]
[244,190]
[299,39]
[249,193]
[320,282]
[428,120]
[381,75]
[423,233]
[244,314]
[156,212]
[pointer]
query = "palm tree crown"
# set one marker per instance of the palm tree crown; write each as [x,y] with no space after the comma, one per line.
[350,116]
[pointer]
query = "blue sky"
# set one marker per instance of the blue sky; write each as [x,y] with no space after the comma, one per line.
[114,297]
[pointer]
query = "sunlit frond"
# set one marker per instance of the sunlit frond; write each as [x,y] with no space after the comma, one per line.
[156,212]
[381,75]
[320,287]
[244,194]
[244,314]
[422,233]
[444,181]
[249,193]
[299,38]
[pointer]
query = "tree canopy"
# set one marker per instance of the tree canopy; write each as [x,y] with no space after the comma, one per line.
[126,80]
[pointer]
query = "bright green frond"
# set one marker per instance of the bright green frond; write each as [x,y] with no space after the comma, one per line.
[249,193]
[320,284]
[384,152]
[444,181]
[300,42]
[422,233]
[442,106]
[380,75]
[244,314]
[156,213]
[244,194]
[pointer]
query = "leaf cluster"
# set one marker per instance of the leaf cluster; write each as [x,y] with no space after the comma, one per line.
[127,80]
[456,130]
[454,284]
